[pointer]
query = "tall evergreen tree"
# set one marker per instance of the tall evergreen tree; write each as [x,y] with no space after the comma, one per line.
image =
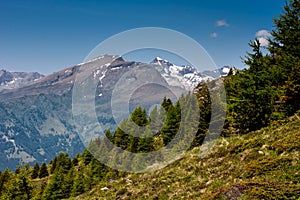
[43,171]
[35,172]
[172,123]
[146,143]
[68,183]
[54,189]
[25,187]
[204,103]
[53,165]
[78,185]
[18,170]
[4,178]
[139,116]
[109,135]
[87,156]
[166,103]
[285,48]
[286,35]
[120,138]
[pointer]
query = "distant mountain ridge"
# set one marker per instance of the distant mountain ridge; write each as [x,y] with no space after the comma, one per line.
[12,80]
[185,74]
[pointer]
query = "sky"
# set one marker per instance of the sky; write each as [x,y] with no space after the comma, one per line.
[47,36]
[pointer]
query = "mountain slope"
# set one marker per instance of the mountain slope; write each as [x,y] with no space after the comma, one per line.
[260,165]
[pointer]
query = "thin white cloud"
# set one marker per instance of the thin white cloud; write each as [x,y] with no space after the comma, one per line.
[214,35]
[263,33]
[263,36]
[263,41]
[220,23]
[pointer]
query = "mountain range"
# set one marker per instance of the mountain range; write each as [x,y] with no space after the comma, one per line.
[11,80]
[36,119]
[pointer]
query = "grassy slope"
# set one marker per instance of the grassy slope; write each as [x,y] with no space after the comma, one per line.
[260,165]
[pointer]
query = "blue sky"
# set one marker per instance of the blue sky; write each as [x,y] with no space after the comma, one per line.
[47,36]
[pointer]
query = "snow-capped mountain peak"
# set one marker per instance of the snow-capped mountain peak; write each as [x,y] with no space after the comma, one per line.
[184,76]
[160,61]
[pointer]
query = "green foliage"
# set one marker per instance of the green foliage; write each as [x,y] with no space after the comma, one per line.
[78,185]
[54,189]
[166,104]
[109,135]
[4,178]
[43,171]
[35,172]
[204,103]
[87,157]
[139,117]
[53,165]
[145,145]
[63,162]
[286,35]
[271,78]
[285,48]
[120,138]
[18,170]
[16,186]
[171,126]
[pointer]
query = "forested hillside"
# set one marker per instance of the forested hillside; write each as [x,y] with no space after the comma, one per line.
[262,164]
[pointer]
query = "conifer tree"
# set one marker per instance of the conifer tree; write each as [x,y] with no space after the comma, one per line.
[172,123]
[109,135]
[43,171]
[18,170]
[285,48]
[54,189]
[87,156]
[19,187]
[145,144]
[53,165]
[120,138]
[204,104]
[25,187]
[78,185]
[139,116]
[4,178]
[166,103]
[68,183]
[75,161]
[35,172]
[286,35]
[156,120]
